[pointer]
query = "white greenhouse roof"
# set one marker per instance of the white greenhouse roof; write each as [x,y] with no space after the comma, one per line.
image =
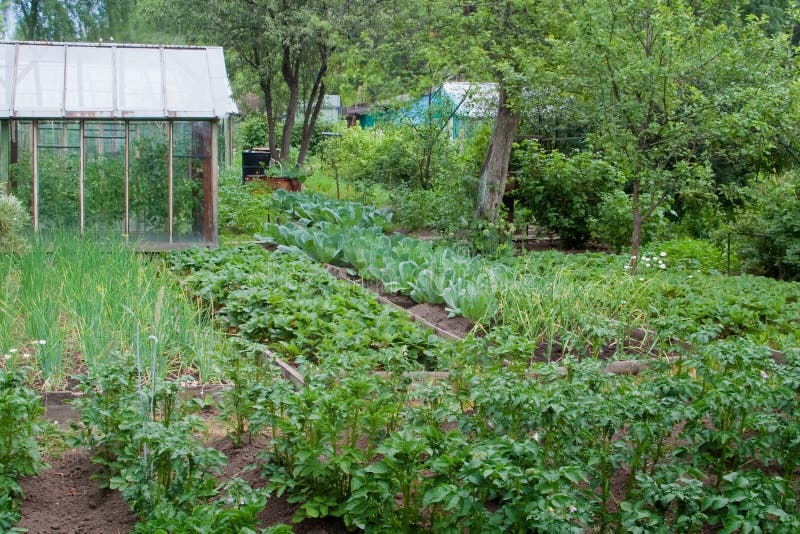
[476,100]
[109,80]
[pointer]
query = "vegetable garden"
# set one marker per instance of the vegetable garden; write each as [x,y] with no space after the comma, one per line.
[519,427]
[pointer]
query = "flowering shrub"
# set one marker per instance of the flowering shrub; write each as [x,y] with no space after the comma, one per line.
[13,221]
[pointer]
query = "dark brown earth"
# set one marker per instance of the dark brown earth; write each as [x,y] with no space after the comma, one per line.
[437,316]
[66,499]
[243,463]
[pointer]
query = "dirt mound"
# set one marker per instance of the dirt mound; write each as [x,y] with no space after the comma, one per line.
[65,498]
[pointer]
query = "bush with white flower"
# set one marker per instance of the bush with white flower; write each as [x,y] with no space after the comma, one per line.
[13,222]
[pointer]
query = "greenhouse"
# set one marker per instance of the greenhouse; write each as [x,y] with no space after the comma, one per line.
[116,138]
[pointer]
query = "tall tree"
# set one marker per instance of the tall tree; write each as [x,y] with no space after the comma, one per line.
[668,87]
[45,20]
[507,41]
[74,20]
[286,43]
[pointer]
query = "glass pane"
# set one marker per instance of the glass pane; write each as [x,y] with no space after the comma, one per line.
[89,82]
[221,88]
[59,189]
[139,81]
[187,81]
[21,167]
[6,68]
[192,175]
[40,80]
[148,184]
[104,177]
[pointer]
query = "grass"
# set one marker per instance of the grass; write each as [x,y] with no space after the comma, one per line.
[72,303]
[324,184]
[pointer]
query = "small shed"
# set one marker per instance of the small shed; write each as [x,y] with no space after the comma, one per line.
[118,139]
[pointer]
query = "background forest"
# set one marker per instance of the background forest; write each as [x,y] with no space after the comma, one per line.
[621,121]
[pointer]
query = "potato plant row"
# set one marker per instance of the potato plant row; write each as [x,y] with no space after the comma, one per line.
[709,441]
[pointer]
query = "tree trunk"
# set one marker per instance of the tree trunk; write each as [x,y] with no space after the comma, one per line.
[32,20]
[636,236]
[290,69]
[495,165]
[272,143]
[308,127]
[314,104]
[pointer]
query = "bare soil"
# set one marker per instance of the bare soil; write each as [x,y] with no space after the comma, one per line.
[437,316]
[65,498]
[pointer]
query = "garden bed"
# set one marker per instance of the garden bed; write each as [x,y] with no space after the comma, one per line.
[66,497]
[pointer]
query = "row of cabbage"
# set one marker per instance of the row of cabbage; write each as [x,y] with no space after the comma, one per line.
[351,235]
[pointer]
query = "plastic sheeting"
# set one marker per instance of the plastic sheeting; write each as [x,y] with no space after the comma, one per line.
[78,80]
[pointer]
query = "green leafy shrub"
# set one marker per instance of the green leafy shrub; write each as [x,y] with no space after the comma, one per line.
[768,227]
[20,409]
[689,254]
[613,223]
[144,432]
[253,131]
[243,208]
[235,510]
[13,221]
[562,191]
[443,208]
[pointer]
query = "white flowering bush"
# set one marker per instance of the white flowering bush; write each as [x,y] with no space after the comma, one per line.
[13,222]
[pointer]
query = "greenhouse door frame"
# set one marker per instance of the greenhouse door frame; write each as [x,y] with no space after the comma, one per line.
[209,187]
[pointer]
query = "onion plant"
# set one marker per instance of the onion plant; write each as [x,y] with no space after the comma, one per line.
[78,300]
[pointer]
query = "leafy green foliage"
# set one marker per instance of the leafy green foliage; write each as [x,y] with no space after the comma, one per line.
[613,224]
[20,425]
[298,308]
[234,509]
[253,132]
[690,254]
[77,294]
[310,209]
[562,191]
[243,208]
[143,432]
[767,229]
[470,299]
[666,107]
[402,264]
[499,445]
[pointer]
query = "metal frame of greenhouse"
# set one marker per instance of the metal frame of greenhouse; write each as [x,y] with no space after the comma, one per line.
[116,138]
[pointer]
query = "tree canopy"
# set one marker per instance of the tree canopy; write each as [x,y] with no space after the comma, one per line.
[683,100]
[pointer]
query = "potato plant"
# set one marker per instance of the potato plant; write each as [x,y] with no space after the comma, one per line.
[20,424]
[145,434]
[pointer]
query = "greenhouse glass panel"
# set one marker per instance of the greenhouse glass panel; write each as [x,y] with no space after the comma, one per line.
[149,182]
[89,80]
[140,82]
[192,173]
[104,177]
[58,185]
[187,82]
[6,78]
[220,87]
[40,81]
